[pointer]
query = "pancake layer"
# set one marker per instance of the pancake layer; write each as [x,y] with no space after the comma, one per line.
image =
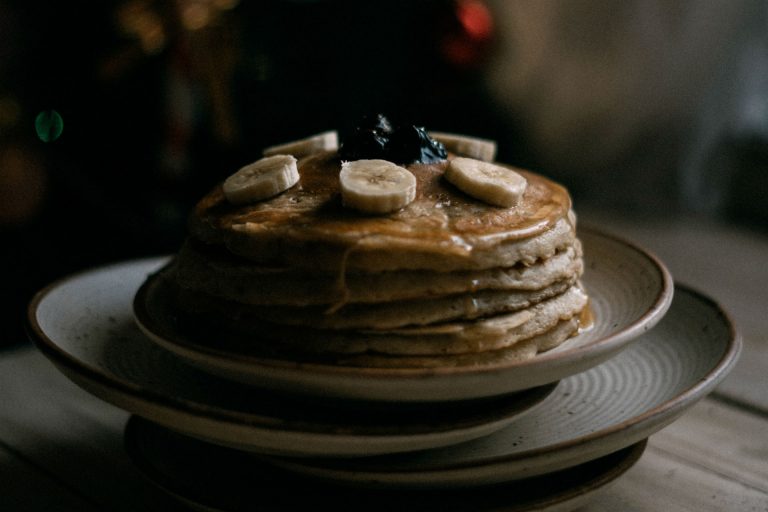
[448,280]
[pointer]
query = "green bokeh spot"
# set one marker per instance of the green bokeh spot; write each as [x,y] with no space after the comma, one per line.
[49,125]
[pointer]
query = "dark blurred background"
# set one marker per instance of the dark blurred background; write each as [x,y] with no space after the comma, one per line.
[115,116]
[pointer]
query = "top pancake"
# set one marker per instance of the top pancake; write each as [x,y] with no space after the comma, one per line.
[443,229]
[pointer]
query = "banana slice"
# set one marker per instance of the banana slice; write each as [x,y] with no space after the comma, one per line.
[376,186]
[472,147]
[303,147]
[262,179]
[494,184]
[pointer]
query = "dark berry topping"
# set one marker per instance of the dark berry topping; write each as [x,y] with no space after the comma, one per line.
[376,137]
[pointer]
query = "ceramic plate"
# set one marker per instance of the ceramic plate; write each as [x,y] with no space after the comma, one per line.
[611,406]
[230,480]
[85,325]
[629,291]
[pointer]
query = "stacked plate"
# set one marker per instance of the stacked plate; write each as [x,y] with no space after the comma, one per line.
[582,410]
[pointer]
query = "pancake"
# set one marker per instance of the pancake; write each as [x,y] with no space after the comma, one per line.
[219,274]
[521,351]
[383,315]
[445,280]
[443,229]
[457,337]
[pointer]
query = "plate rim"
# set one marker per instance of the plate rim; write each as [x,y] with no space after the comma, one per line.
[647,320]
[59,356]
[668,410]
[582,489]
[727,360]
[382,380]
[123,392]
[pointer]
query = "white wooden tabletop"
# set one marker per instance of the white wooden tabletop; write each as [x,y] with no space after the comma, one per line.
[62,449]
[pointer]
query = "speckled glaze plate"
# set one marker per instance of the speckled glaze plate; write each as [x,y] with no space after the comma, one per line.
[230,480]
[85,326]
[630,291]
[607,408]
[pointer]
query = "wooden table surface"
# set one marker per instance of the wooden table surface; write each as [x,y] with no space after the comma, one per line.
[62,449]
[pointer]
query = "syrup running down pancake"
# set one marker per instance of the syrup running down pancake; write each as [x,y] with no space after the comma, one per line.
[446,280]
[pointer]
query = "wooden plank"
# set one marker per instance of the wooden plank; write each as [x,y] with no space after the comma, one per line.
[727,263]
[24,487]
[660,482]
[722,438]
[76,437]
[711,459]
[714,458]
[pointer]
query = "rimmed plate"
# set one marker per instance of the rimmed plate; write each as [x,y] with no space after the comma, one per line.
[629,289]
[229,480]
[609,407]
[85,326]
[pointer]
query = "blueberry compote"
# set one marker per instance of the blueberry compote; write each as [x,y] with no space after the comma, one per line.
[376,137]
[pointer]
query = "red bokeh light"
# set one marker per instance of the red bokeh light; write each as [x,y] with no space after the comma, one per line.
[472,30]
[475,19]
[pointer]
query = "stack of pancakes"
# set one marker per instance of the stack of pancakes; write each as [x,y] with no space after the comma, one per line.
[446,281]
